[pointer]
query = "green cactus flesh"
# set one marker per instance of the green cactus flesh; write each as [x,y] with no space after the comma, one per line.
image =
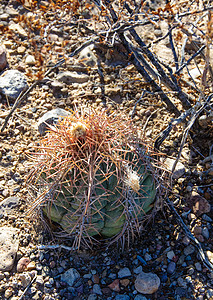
[110,203]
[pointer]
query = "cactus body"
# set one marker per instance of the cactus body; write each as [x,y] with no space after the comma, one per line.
[93,177]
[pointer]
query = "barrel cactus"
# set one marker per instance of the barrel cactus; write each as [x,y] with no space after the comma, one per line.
[92,176]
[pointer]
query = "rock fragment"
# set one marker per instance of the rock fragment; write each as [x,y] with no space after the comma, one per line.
[22,264]
[51,118]
[125,272]
[88,57]
[3,58]
[8,205]
[199,205]
[147,283]
[15,27]
[72,77]
[70,276]
[179,170]
[30,60]
[12,83]
[8,247]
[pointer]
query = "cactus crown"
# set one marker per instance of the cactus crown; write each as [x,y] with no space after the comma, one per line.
[91,177]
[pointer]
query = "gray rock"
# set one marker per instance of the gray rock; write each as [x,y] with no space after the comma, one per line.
[97,289]
[70,276]
[170,254]
[8,247]
[88,57]
[198,266]
[147,283]
[171,267]
[179,170]
[39,280]
[206,218]
[12,83]
[189,250]
[50,118]
[25,279]
[9,205]
[138,270]
[181,282]
[92,297]
[205,232]
[122,297]
[57,85]
[140,297]
[3,58]
[125,272]
[72,77]
[147,257]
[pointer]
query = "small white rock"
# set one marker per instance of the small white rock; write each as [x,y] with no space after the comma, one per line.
[147,283]
[170,254]
[179,170]
[30,60]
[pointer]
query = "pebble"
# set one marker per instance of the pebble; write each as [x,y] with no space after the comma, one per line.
[179,170]
[9,205]
[39,280]
[124,282]
[30,60]
[186,240]
[147,283]
[125,272]
[205,232]
[9,243]
[25,279]
[171,267]
[147,257]
[181,282]
[92,297]
[12,83]
[70,276]
[198,266]
[206,218]
[189,250]
[18,29]
[8,293]
[31,266]
[138,270]
[57,85]
[140,297]
[72,77]
[51,118]
[122,297]
[97,289]
[21,50]
[22,264]
[3,58]
[199,205]
[88,57]
[170,254]
[115,285]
